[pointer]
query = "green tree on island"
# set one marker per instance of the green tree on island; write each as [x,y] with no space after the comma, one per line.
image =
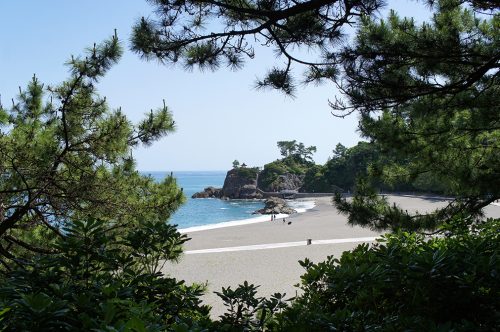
[297,150]
[287,148]
[297,159]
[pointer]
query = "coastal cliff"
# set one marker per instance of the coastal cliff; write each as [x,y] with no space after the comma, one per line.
[286,174]
[250,183]
[241,183]
[286,181]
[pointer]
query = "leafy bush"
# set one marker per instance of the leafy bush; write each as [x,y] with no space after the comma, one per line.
[248,312]
[405,282]
[102,279]
[105,280]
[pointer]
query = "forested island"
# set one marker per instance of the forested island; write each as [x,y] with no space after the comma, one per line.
[297,172]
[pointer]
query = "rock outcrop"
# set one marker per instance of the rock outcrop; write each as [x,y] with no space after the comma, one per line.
[241,183]
[287,181]
[275,205]
[209,192]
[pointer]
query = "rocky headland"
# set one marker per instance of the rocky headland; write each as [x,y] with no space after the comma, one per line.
[285,181]
[244,183]
[241,183]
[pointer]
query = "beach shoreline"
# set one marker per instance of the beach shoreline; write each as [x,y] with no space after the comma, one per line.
[267,253]
[257,219]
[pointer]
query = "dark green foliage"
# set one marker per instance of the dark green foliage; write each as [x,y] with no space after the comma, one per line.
[102,278]
[428,95]
[431,183]
[405,283]
[343,169]
[316,181]
[248,312]
[341,172]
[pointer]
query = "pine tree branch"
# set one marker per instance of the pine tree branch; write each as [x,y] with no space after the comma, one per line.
[46,223]
[27,245]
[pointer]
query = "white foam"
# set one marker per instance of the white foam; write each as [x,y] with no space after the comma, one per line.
[299,206]
[259,219]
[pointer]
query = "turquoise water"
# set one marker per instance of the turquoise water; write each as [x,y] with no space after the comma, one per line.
[206,211]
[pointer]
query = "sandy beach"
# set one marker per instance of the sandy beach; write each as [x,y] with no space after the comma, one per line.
[267,253]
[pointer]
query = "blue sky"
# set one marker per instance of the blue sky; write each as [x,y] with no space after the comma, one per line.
[219,115]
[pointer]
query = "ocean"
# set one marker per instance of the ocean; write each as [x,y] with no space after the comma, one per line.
[206,211]
[212,212]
